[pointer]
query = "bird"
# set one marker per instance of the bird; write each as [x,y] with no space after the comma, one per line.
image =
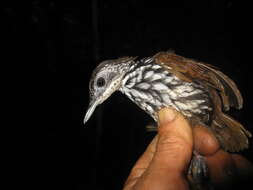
[197,90]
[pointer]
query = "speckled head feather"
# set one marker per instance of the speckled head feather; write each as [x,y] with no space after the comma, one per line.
[105,80]
[118,66]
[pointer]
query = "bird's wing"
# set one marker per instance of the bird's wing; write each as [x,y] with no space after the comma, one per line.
[190,70]
[230,133]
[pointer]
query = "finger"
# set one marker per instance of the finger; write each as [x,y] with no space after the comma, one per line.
[205,143]
[222,169]
[172,154]
[159,170]
[243,166]
[142,164]
[174,146]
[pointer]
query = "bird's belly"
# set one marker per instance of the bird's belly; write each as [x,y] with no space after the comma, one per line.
[153,87]
[196,109]
[192,104]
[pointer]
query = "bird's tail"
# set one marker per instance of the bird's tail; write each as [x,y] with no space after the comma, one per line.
[230,133]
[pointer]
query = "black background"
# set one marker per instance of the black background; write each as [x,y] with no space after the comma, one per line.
[70,38]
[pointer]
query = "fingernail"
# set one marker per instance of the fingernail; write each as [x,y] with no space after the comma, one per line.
[166,115]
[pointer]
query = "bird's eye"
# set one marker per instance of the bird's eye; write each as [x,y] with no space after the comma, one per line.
[100,82]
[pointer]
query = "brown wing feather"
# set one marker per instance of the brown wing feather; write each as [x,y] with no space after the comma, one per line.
[230,133]
[193,70]
[230,94]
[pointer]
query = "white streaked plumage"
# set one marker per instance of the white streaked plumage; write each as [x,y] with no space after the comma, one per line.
[183,88]
[159,86]
[148,60]
[143,85]
[166,99]
[148,74]
[168,80]
[151,88]
[156,67]
[156,77]
[193,92]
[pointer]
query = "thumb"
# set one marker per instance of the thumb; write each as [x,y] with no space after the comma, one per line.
[175,141]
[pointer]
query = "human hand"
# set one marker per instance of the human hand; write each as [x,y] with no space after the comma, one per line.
[164,164]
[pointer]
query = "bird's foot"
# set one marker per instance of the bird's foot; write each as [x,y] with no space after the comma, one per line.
[198,173]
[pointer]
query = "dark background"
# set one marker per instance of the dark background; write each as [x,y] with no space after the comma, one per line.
[70,38]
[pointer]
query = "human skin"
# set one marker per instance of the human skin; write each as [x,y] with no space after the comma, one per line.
[164,164]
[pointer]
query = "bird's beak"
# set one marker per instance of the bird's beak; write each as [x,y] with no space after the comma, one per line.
[93,104]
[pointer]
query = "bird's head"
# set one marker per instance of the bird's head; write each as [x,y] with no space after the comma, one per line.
[105,80]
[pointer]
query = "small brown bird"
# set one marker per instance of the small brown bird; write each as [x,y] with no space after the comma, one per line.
[197,90]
